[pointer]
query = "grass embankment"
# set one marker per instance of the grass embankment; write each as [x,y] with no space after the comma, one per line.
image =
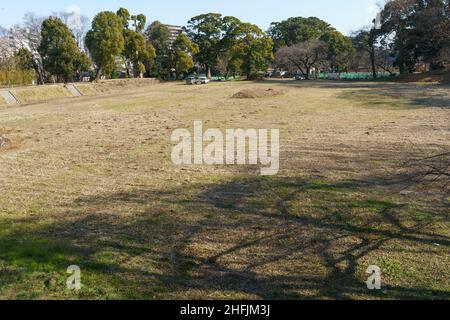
[32,94]
[111,86]
[40,93]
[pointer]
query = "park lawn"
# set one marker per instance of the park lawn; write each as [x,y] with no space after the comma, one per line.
[91,184]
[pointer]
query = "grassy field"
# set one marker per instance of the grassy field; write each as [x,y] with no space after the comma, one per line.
[89,181]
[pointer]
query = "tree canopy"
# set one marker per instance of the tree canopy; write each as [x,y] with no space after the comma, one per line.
[60,53]
[253,47]
[206,31]
[420,32]
[228,44]
[158,36]
[137,53]
[105,41]
[298,30]
[183,52]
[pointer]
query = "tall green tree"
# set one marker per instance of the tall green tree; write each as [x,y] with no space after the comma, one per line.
[137,51]
[366,41]
[396,16]
[183,51]
[253,47]
[60,53]
[340,49]
[137,54]
[105,41]
[420,32]
[148,58]
[296,30]
[23,59]
[158,36]
[299,30]
[231,30]
[124,16]
[139,22]
[205,30]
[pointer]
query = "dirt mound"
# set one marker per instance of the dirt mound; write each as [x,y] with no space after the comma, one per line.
[254,93]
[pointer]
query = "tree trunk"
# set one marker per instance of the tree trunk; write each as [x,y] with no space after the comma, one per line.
[39,73]
[308,69]
[248,73]
[372,61]
[208,68]
[41,79]
[97,75]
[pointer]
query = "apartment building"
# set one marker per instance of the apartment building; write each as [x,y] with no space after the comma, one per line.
[174,31]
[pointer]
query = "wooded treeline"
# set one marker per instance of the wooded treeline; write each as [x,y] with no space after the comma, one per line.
[407,36]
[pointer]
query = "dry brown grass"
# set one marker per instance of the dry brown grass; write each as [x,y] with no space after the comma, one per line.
[40,93]
[94,186]
[10,139]
[111,86]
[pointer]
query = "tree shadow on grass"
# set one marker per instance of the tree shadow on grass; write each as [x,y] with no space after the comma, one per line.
[340,229]
[435,101]
[34,259]
[266,238]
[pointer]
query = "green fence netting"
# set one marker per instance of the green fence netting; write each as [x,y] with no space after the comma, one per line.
[353,75]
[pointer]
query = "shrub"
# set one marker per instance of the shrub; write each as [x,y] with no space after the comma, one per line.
[16,77]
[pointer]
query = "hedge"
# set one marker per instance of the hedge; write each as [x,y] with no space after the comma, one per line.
[17,77]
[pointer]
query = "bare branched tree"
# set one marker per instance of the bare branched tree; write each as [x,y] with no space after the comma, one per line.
[6,47]
[79,25]
[28,36]
[303,56]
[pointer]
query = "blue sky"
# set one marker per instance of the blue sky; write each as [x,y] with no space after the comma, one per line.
[345,15]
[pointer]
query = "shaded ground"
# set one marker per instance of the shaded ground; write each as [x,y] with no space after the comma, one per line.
[93,185]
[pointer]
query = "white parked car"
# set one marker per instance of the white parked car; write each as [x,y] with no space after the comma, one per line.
[203,80]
